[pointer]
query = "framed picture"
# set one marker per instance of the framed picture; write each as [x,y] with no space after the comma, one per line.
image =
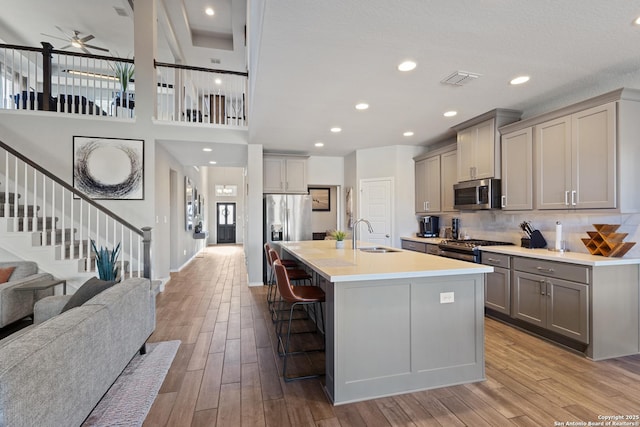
[320,199]
[109,168]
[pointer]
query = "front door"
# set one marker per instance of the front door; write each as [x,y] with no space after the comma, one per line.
[226,220]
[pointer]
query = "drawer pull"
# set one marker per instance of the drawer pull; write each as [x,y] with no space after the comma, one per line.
[497,261]
[548,270]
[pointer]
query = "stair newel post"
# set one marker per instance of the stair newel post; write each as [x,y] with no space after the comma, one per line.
[46,74]
[146,240]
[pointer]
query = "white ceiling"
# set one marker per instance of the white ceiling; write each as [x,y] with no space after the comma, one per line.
[312,61]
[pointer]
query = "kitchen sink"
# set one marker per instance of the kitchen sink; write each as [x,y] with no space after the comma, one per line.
[378,250]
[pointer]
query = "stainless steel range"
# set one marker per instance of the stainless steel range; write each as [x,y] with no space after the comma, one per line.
[466,250]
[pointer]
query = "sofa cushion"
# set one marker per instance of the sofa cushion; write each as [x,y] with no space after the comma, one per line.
[22,270]
[88,290]
[5,273]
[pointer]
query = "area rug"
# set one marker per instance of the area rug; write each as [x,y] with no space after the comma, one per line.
[129,399]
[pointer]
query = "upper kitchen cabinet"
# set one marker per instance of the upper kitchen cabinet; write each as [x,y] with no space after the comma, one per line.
[479,144]
[435,176]
[576,160]
[428,184]
[285,174]
[517,170]
[585,155]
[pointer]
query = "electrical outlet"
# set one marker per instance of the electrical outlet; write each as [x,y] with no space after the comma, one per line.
[446,297]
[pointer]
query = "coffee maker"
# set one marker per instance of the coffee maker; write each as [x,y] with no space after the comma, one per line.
[429,226]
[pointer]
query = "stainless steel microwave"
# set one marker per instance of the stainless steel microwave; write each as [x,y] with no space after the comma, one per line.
[477,194]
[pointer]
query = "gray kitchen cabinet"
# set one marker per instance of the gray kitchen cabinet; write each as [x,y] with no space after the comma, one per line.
[497,285]
[428,185]
[548,300]
[478,144]
[433,249]
[576,160]
[448,177]
[285,174]
[517,170]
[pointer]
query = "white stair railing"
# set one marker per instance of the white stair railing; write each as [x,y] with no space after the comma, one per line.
[69,219]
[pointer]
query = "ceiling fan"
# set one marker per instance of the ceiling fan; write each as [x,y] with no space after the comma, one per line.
[76,41]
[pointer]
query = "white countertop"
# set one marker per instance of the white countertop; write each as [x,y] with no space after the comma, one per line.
[346,265]
[430,240]
[569,257]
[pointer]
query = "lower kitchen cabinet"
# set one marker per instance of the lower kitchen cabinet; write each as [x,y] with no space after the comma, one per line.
[413,246]
[558,305]
[497,285]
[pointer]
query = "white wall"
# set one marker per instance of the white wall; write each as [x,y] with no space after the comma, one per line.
[392,161]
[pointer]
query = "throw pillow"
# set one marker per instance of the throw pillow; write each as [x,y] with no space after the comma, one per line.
[88,290]
[5,273]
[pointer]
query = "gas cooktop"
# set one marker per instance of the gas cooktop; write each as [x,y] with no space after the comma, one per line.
[470,244]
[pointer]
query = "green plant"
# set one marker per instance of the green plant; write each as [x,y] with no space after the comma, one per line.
[106,261]
[339,234]
[124,73]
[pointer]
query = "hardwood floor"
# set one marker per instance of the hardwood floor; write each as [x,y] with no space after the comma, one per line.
[226,372]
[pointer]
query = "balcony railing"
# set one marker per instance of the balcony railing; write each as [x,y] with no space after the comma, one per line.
[45,79]
[209,96]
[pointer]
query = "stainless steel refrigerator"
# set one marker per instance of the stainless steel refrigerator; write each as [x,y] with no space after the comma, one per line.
[287,217]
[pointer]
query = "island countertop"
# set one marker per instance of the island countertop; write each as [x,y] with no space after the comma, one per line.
[348,265]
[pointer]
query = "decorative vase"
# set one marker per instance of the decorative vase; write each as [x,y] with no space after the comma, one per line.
[339,244]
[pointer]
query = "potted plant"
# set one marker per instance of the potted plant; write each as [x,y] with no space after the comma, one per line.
[124,73]
[339,235]
[106,262]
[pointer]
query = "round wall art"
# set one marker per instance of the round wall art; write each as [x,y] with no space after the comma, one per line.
[109,168]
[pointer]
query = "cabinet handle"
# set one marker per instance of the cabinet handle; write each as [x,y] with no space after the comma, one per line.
[566,198]
[549,289]
[497,261]
[573,197]
[426,204]
[543,286]
[548,270]
[503,200]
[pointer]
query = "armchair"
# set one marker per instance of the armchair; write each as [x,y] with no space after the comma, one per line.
[14,305]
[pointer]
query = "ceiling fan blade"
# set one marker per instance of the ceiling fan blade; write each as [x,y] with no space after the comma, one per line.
[84,49]
[86,39]
[96,47]
[54,37]
[64,32]
[65,47]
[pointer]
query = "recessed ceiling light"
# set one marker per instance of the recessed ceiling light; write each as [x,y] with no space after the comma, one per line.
[212,162]
[519,80]
[218,81]
[362,106]
[336,129]
[408,133]
[450,113]
[407,66]
[209,11]
[319,144]
[207,149]
[637,21]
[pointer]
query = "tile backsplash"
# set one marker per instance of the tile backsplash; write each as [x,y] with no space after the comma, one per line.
[505,226]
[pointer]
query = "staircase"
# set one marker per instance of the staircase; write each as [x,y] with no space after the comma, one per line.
[44,219]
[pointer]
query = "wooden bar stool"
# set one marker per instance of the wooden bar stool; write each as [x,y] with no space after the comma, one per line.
[301,295]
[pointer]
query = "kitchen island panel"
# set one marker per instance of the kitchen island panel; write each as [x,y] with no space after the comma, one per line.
[391,343]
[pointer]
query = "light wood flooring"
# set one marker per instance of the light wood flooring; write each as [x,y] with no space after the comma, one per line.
[226,372]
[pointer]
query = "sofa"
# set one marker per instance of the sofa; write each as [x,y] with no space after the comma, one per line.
[55,372]
[14,305]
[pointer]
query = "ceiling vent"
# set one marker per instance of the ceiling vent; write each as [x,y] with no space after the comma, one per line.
[215,61]
[460,78]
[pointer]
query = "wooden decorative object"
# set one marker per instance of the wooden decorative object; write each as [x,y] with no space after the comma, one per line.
[606,242]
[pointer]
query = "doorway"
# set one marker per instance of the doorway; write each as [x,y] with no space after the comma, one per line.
[226,222]
[376,196]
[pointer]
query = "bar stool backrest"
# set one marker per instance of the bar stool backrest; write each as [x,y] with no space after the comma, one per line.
[267,249]
[284,285]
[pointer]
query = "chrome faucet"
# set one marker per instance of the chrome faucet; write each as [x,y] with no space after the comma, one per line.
[355,231]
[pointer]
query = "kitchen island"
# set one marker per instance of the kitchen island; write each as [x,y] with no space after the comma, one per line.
[396,322]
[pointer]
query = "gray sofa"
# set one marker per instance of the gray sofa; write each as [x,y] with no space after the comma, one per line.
[58,370]
[14,305]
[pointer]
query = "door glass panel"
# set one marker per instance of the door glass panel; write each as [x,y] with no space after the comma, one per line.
[222,216]
[231,216]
